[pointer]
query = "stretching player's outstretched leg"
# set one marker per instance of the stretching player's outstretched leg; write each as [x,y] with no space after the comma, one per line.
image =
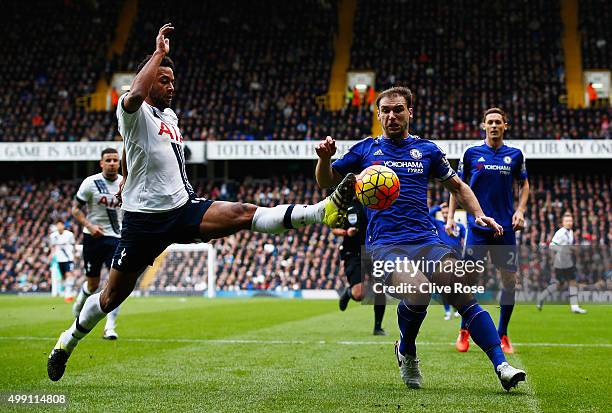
[160,205]
[139,246]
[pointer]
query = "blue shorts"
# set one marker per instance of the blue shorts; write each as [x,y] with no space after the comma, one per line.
[430,253]
[98,252]
[146,235]
[503,250]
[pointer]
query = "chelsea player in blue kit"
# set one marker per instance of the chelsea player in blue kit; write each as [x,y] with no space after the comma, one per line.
[405,232]
[491,169]
[454,239]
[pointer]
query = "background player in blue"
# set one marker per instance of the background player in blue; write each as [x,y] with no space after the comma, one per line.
[491,169]
[454,239]
[405,231]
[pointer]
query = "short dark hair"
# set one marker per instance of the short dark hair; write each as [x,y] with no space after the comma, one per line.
[396,91]
[108,150]
[494,110]
[567,214]
[166,62]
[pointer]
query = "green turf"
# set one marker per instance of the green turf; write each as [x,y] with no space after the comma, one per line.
[292,358]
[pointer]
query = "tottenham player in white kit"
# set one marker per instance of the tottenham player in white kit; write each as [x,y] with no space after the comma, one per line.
[62,244]
[101,229]
[160,207]
[562,245]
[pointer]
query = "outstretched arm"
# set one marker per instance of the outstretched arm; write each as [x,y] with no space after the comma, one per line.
[139,90]
[436,208]
[466,197]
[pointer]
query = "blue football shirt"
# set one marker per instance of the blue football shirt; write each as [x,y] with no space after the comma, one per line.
[491,173]
[414,160]
[453,240]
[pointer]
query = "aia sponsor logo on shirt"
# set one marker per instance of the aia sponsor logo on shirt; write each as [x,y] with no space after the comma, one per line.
[110,202]
[173,133]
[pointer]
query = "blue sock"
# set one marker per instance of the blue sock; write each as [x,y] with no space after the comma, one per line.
[446,308]
[463,323]
[409,320]
[506,306]
[481,328]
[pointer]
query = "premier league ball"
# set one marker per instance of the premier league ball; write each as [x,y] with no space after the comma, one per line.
[377,187]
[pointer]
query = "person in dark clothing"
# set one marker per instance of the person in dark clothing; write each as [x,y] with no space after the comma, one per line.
[354,233]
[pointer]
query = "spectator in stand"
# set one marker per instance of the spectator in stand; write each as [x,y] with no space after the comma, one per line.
[307,257]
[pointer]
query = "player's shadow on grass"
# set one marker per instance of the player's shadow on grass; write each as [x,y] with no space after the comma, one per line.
[439,391]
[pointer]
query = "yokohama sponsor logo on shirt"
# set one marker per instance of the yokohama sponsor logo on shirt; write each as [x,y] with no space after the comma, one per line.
[415,167]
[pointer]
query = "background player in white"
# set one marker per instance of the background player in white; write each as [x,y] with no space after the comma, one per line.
[62,244]
[101,229]
[160,207]
[562,245]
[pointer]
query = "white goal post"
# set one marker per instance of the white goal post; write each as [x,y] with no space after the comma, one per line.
[211,260]
[193,265]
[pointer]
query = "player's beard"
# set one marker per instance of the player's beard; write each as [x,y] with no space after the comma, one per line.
[398,134]
[159,100]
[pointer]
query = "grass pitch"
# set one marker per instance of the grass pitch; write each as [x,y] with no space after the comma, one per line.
[185,354]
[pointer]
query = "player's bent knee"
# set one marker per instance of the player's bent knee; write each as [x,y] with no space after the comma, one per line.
[93,283]
[244,214]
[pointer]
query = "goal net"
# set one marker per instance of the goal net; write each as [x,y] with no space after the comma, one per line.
[182,269]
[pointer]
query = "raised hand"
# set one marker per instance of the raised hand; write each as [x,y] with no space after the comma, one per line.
[162,42]
[326,148]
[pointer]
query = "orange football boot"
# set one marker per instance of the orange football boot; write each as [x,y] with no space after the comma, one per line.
[506,345]
[463,341]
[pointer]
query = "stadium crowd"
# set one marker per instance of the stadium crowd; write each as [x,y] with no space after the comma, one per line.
[596,33]
[459,63]
[301,259]
[54,53]
[262,81]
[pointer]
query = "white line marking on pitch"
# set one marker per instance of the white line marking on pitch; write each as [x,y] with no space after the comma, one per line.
[321,342]
[533,400]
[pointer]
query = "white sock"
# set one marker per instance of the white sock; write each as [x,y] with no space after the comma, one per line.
[573,296]
[83,294]
[68,287]
[111,319]
[281,218]
[548,291]
[87,320]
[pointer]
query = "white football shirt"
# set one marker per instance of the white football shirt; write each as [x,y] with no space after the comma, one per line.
[103,208]
[157,179]
[560,243]
[63,245]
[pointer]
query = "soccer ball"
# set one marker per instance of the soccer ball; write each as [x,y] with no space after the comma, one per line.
[377,187]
